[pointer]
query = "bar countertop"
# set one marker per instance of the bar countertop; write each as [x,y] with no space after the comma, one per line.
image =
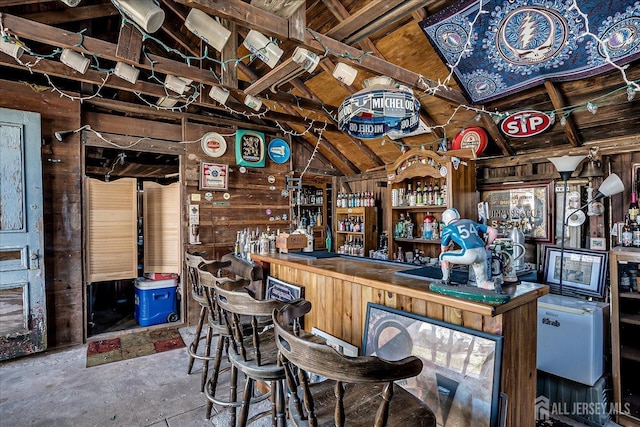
[381,274]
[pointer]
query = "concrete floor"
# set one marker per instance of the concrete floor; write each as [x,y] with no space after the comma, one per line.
[56,389]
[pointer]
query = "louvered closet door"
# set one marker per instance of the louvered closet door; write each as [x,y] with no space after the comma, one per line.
[111,229]
[161,218]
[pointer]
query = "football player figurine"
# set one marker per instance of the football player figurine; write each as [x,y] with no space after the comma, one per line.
[464,232]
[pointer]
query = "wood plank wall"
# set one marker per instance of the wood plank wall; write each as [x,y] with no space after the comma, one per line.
[61,177]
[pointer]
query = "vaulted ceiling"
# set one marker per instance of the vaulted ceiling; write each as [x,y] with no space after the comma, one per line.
[379,37]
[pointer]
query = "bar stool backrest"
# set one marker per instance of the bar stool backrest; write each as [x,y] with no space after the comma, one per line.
[311,356]
[237,305]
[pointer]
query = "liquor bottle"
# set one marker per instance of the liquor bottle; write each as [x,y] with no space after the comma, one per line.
[419,201]
[633,207]
[636,235]
[627,232]
[431,200]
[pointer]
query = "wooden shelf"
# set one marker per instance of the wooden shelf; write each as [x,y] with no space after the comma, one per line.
[630,295]
[632,319]
[416,240]
[420,208]
[350,232]
[630,353]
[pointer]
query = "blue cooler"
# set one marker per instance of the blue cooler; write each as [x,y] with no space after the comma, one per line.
[155,301]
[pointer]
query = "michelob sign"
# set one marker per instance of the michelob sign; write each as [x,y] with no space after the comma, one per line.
[374,113]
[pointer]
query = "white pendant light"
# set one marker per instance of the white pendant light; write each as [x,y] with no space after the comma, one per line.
[220,94]
[127,72]
[71,3]
[145,13]
[253,102]
[263,48]
[177,84]
[345,73]
[11,48]
[73,59]
[305,58]
[167,102]
[207,28]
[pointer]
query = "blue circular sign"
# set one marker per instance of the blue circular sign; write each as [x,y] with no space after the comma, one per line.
[278,150]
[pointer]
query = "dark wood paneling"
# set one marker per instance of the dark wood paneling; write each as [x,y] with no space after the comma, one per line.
[62,220]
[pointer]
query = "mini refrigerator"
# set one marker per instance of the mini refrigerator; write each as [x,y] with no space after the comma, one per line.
[570,337]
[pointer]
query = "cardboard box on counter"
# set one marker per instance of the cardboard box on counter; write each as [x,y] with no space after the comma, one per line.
[291,242]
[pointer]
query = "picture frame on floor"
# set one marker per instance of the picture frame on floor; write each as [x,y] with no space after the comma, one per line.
[460,379]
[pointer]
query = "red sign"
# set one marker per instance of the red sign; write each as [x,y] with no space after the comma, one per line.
[471,137]
[525,123]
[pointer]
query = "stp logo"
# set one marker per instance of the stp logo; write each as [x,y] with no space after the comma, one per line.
[525,123]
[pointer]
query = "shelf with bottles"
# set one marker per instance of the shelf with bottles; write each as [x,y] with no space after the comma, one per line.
[308,206]
[625,327]
[356,230]
[421,185]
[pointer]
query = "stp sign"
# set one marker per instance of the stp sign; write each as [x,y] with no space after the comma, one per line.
[525,123]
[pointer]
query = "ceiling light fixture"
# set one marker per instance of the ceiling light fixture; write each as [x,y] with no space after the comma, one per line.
[127,72]
[145,13]
[11,47]
[305,58]
[207,28]
[345,73]
[266,50]
[71,3]
[167,102]
[177,84]
[253,102]
[220,94]
[75,60]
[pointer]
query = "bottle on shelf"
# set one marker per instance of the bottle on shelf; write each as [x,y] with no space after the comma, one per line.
[627,232]
[633,207]
[636,235]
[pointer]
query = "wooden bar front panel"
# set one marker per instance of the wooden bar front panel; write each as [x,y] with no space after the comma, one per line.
[340,306]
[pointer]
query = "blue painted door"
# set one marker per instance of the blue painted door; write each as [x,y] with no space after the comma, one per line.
[22,292]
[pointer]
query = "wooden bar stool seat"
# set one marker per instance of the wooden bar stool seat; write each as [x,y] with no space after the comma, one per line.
[252,351]
[193,262]
[357,391]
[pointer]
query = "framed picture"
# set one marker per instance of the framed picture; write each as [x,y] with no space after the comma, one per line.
[214,176]
[584,271]
[282,291]
[250,148]
[460,379]
[526,206]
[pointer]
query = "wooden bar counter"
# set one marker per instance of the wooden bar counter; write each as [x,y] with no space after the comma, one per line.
[339,289]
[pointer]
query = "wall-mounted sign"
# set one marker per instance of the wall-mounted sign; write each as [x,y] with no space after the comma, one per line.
[524,124]
[213,144]
[374,113]
[214,176]
[278,150]
[471,137]
[250,148]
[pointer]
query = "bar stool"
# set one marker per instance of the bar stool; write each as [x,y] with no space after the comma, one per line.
[193,261]
[218,325]
[252,350]
[362,389]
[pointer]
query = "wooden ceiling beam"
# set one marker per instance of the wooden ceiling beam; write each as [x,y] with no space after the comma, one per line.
[397,14]
[319,42]
[62,38]
[80,13]
[606,147]
[244,14]
[495,133]
[362,18]
[238,11]
[129,43]
[558,103]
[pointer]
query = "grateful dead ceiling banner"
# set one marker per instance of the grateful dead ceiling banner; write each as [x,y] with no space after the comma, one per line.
[517,44]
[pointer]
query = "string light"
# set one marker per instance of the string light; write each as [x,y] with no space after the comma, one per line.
[430,86]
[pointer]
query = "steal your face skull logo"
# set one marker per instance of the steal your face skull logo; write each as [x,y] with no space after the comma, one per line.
[531,35]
